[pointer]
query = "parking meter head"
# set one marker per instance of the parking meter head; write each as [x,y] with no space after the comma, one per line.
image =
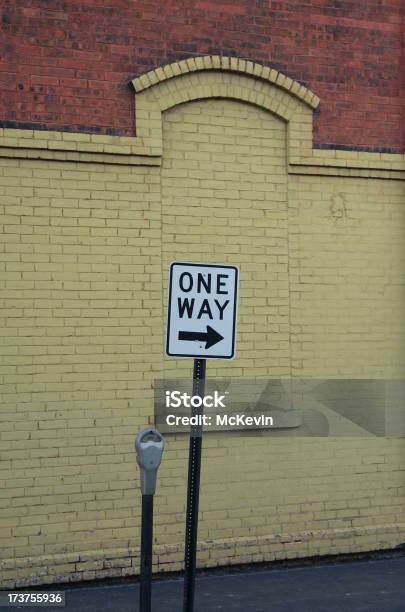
[149,445]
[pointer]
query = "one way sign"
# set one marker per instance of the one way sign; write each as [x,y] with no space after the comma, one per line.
[202,311]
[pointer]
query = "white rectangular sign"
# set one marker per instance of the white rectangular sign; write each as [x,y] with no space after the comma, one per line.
[202,311]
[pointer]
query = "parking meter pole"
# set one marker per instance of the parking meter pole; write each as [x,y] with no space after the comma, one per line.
[149,445]
[193,491]
[145,595]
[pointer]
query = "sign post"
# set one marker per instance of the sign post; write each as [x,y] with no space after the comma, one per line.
[193,491]
[201,324]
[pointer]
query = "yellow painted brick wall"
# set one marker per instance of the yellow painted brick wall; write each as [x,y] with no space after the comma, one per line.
[347,277]
[84,270]
[81,303]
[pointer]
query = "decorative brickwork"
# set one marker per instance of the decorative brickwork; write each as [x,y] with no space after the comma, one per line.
[233,64]
[189,80]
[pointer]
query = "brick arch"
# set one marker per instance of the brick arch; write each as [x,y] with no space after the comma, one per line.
[226,64]
[216,77]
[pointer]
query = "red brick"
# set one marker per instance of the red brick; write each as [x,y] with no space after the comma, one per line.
[81,56]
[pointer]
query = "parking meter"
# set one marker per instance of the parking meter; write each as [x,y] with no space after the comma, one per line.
[149,445]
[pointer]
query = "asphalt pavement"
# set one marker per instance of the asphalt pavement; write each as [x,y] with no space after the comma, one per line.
[349,586]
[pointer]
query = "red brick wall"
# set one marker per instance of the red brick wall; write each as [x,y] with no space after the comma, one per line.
[66,64]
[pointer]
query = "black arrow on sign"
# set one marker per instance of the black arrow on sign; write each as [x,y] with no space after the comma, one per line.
[210,337]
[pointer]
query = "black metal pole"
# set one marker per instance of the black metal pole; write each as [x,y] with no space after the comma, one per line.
[145,590]
[193,490]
